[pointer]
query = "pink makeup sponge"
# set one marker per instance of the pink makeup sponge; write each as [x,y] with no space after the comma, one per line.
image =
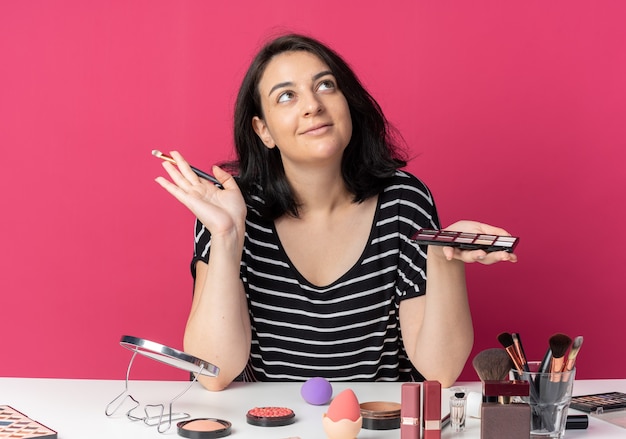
[316,391]
[344,406]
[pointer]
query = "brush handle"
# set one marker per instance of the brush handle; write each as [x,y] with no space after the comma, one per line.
[545,363]
[206,176]
[520,351]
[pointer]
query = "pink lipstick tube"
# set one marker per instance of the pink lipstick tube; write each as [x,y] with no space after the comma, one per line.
[432,409]
[410,411]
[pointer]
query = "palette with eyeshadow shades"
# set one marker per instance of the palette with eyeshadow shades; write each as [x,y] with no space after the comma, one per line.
[14,424]
[599,402]
[466,241]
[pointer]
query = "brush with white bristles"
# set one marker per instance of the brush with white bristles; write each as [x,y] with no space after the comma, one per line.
[573,353]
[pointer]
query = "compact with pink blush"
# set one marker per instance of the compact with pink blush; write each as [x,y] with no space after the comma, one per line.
[204,428]
[270,416]
[465,240]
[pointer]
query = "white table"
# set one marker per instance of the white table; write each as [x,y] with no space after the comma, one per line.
[75,408]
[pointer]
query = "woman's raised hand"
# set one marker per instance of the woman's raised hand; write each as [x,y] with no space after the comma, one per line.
[222,211]
[477,255]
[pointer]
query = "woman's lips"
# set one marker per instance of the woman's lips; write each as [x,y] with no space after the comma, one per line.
[318,129]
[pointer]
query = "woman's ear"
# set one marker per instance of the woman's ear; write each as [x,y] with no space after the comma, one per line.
[261,130]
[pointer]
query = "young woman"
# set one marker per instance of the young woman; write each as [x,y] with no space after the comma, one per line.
[303,265]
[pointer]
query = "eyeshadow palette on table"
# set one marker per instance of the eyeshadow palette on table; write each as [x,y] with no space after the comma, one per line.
[599,402]
[14,424]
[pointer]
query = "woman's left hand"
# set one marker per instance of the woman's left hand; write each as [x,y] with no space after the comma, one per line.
[480,256]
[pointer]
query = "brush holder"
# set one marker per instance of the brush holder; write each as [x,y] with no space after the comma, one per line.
[549,400]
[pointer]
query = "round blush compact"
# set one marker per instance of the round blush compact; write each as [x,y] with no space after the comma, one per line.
[204,428]
[270,416]
[380,415]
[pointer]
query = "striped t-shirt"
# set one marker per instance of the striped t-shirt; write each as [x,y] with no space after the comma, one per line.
[348,330]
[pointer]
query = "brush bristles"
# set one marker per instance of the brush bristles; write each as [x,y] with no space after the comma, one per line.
[559,343]
[159,154]
[578,341]
[505,339]
[492,364]
[573,353]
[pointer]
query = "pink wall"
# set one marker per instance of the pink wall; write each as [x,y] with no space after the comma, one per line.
[515,112]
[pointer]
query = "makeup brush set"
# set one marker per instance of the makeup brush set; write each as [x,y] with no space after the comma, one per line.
[559,358]
[545,387]
[550,381]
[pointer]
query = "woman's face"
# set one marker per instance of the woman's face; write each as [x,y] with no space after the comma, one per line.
[305,114]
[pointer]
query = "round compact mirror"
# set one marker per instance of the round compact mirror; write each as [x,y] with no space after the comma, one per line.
[168,355]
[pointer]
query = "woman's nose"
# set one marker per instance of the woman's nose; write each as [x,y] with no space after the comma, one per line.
[312,105]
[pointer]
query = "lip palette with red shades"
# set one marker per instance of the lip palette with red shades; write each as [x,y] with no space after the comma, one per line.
[465,240]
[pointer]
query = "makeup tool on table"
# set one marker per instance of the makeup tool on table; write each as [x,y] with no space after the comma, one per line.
[343,419]
[432,409]
[166,355]
[599,402]
[14,424]
[316,391]
[410,411]
[465,240]
[493,364]
[559,344]
[458,412]
[550,381]
[380,415]
[504,418]
[204,428]
[608,406]
[270,416]
[196,171]
[573,353]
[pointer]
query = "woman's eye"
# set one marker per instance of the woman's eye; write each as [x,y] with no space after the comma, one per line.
[285,96]
[326,85]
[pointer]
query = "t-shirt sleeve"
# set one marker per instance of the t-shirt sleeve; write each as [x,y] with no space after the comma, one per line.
[417,210]
[201,247]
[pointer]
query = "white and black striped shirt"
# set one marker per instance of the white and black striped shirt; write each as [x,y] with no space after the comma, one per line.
[348,330]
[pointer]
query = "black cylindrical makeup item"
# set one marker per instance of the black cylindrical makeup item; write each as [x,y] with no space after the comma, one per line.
[577,422]
[380,415]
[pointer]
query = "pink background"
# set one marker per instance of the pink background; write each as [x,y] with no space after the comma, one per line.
[515,113]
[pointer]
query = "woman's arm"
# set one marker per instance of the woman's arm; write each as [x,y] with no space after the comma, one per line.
[437,327]
[218,327]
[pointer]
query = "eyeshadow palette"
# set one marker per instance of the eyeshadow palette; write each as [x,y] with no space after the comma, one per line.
[466,241]
[599,402]
[14,424]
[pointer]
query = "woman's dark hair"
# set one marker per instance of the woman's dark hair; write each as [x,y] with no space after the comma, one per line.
[369,160]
